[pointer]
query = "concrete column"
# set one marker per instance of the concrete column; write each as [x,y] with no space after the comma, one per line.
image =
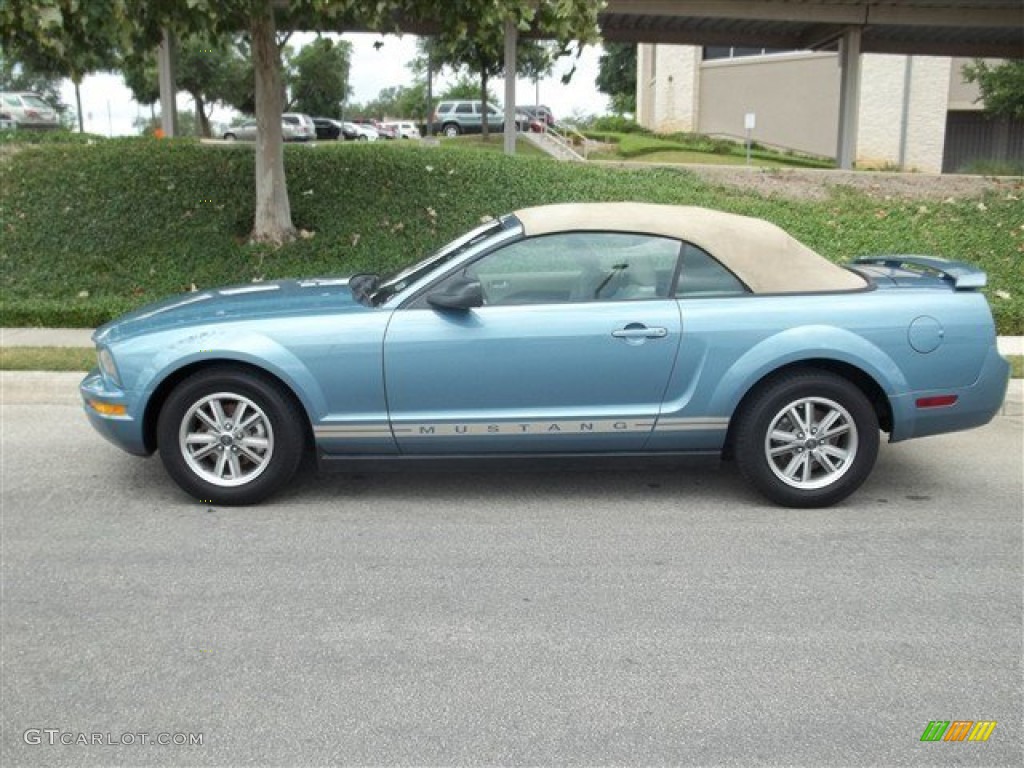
[849,97]
[166,62]
[511,40]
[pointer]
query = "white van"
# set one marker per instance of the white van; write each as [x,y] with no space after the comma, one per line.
[404,129]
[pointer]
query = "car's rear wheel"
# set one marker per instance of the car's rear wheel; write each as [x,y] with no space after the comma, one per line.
[806,439]
[229,137]
[451,130]
[230,436]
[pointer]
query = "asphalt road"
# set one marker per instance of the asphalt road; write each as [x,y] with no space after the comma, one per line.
[628,618]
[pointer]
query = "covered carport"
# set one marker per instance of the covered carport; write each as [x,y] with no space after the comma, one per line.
[982,28]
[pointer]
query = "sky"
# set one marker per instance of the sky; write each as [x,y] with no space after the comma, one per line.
[110,110]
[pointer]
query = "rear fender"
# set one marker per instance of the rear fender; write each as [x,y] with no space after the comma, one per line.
[794,345]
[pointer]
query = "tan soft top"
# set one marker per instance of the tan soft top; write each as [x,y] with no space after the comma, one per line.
[761,254]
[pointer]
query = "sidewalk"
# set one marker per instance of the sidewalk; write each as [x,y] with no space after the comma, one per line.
[79,337]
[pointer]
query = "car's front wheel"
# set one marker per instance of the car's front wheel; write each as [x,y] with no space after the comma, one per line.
[229,137]
[451,130]
[230,436]
[806,439]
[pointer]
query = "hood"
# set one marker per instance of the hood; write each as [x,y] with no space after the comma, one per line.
[282,298]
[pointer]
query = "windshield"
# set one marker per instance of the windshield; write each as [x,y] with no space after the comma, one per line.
[406,277]
[35,101]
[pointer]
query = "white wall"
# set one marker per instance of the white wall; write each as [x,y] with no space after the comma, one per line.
[880,128]
[796,97]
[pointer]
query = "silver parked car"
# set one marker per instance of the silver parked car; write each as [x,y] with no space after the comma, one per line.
[360,132]
[303,127]
[27,110]
[247,132]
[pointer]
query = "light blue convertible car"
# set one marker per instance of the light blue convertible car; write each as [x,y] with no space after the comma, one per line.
[584,331]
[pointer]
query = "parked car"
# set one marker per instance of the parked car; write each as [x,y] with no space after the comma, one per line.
[404,129]
[359,132]
[326,128]
[453,118]
[304,129]
[385,130]
[28,110]
[247,130]
[582,330]
[537,113]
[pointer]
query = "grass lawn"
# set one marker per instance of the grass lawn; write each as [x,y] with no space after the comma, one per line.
[495,143]
[47,359]
[91,231]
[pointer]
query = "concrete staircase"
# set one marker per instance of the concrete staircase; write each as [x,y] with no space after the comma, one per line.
[559,144]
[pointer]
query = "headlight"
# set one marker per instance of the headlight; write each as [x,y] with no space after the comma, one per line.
[107,366]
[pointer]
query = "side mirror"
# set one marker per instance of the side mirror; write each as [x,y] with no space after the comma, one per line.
[460,294]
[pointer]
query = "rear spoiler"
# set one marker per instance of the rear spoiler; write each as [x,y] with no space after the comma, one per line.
[963,276]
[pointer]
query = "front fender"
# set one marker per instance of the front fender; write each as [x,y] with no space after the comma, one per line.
[243,346]
[795,345]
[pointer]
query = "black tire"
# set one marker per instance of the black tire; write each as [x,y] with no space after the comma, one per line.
[794,464]
[230,137]
[264,450]
[451,130]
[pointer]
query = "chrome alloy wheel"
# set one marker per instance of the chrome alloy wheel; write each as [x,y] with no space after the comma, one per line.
[811,443]
[226,439]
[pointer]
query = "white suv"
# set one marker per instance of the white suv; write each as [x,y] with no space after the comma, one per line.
[27,110]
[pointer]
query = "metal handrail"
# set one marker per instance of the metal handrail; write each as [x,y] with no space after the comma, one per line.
[562,138]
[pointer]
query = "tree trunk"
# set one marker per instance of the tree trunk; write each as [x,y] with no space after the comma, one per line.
[202,119]
[78,105]
[485,129]
[273,219]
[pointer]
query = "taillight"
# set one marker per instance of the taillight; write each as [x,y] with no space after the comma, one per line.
[937,401]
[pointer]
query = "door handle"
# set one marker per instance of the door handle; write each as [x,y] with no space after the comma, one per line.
[640,331]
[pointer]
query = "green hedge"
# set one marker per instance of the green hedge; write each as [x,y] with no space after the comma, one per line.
[92,230]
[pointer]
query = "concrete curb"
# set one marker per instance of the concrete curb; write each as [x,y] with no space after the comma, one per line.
[46,337]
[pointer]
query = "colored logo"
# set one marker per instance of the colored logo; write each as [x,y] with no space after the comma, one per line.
[958,730]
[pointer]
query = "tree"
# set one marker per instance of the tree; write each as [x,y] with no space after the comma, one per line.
[616,76]
[463,88]
[18,77]
[472,33]
[72,32]
[397,101]
[207,69]
[318,77]
[484,55]
[1002,86]
[61,38]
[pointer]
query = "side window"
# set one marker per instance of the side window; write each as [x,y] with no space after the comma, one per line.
[444,108]
[576,267]
[464,109]
[702,276]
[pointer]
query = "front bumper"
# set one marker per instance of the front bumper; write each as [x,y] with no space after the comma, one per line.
[976,405]
[124,431]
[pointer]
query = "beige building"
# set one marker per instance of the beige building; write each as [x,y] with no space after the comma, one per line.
[906,103]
